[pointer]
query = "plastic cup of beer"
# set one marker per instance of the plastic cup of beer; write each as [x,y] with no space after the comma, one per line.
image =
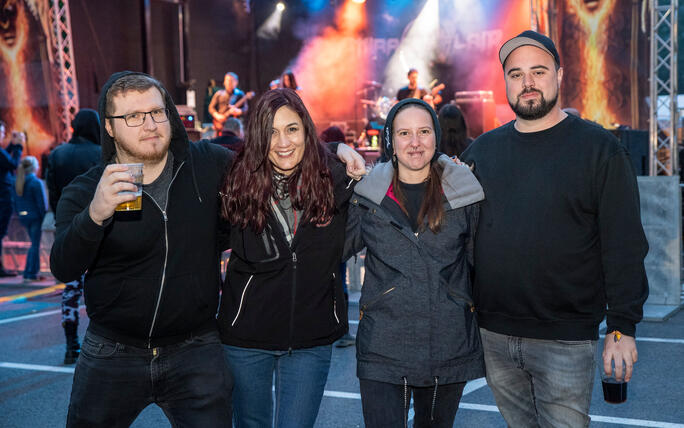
[614,391]
[136,171]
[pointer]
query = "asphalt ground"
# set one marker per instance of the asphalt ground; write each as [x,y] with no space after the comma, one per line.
[35,385]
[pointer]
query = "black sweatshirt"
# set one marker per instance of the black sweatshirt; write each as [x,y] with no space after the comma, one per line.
[560,234]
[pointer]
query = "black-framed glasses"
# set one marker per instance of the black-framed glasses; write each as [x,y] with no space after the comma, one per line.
[159,115]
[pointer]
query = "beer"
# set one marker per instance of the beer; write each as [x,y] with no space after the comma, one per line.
[136,171]
[134,205]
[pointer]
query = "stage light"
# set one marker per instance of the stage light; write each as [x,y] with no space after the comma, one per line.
[270,29]
[416,50]
[359,1]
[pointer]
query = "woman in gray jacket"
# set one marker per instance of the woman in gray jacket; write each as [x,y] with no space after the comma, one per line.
[418,335]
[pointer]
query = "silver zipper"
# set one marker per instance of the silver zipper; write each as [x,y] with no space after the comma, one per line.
[242,299]
[166,254]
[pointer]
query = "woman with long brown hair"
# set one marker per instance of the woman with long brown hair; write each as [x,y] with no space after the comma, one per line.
[416,216]
[282,304]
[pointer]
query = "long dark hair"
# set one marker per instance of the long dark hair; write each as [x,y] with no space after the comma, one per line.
[432,207]
[248,187]
[454,130]
[292,81]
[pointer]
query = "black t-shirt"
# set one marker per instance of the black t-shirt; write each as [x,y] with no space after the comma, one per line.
[405,92]
[414,194]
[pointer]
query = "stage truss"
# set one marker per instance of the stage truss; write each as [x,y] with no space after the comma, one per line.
[663,131]
[64,67]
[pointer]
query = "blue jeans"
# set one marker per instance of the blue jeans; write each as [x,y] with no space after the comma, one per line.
[300,378]
[114,382]
[540,383]
[33,227]
[385,405]
[5,215]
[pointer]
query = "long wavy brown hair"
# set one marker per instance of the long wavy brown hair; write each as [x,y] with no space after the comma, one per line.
[248,187]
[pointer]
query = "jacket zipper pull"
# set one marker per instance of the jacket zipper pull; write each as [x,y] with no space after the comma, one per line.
[294,258]
[165,217]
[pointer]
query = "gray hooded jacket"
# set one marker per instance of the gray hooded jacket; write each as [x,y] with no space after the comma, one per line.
[417,320]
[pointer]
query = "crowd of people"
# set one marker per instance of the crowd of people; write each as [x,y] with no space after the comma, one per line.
[501,264]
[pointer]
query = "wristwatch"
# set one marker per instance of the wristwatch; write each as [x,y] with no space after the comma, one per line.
[616,335]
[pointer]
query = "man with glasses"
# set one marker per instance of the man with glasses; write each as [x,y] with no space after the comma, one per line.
[151,281]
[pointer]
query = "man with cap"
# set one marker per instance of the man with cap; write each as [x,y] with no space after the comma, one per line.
[559,247]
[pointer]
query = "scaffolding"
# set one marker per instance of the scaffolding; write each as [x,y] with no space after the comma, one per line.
[64,67]
[663,88]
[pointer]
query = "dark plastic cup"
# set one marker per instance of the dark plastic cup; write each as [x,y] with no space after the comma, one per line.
[614,391]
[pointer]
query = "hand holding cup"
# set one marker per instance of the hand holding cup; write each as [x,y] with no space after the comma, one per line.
[119,184]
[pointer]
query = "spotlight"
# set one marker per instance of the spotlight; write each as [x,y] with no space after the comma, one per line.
[359,1]
[280,6]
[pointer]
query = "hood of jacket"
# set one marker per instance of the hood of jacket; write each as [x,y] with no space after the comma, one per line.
[387,131]
[86,125]
[179,138]
[459,185]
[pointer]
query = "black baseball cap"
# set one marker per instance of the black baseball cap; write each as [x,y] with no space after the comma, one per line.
[529,38]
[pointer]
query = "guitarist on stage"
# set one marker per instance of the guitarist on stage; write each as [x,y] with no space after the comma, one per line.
[222,105]
[431,97]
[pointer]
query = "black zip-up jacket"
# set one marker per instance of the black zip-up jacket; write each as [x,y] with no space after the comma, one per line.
[152,280]
[279,296]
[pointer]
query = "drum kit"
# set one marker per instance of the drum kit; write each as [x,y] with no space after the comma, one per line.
[376,107]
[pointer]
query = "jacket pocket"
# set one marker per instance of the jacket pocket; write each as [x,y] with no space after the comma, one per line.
[385,332]
[126,305]
[455,329]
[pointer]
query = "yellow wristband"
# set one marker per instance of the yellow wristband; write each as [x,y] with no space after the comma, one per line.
[616,336]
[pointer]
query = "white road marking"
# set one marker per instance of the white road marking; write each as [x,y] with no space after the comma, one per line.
[37,367]
[36,315]
[28,317]
[655,339]
[470,387]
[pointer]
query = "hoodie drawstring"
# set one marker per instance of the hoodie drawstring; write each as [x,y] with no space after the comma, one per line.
[406,404]
[434,400]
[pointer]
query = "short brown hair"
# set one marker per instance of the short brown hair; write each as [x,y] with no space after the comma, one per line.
[131,82]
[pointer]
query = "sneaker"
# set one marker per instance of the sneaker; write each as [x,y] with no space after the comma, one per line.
[71,356]
[346,340]
[29,280]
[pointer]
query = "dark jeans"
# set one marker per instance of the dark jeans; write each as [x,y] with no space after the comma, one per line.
[33,227]
[385,404]
[113,383]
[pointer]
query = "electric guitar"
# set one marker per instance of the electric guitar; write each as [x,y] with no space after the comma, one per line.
[218,124]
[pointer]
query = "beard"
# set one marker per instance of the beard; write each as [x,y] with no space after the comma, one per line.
[528,110]
[151,155]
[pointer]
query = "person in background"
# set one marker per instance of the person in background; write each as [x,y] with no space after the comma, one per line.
[454,130]
[287,80]
[416,216]
[30,205]
[65,163]
[232,135]
[10,157]
[334,134]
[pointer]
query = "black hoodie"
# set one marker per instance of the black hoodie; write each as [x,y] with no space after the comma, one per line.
[70,160]
[153,280]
